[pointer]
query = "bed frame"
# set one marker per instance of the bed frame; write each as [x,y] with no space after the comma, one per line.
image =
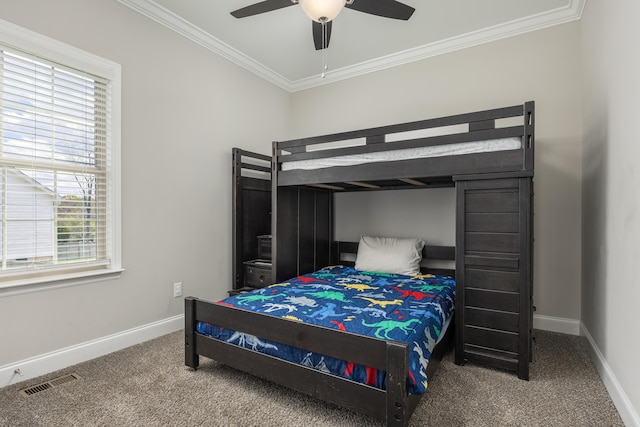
[302,200]
[494,209]
[393,405]
[493,258]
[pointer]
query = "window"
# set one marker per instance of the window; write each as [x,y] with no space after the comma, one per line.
[59,159]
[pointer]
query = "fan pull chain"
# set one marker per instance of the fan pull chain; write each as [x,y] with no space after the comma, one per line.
[324,48]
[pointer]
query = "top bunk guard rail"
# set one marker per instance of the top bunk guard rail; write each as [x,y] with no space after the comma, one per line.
[257,162]
[478,126]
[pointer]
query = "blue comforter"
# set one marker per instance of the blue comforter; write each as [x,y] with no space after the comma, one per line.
[411,309]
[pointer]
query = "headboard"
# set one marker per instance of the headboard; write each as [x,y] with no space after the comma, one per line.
[345,252]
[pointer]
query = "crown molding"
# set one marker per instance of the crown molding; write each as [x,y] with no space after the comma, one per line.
[150,9]
[165,17]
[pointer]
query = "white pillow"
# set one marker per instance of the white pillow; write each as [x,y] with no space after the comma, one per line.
[389,255]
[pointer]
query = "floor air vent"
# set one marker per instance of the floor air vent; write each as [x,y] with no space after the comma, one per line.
[49,384]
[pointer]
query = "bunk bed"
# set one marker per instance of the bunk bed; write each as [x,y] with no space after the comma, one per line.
[488,156]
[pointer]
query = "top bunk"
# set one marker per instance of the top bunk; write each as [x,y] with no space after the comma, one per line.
[426,153]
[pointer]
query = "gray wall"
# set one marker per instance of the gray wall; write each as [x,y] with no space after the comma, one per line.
[543,66]
[412,213]
[611,188]
[183,109]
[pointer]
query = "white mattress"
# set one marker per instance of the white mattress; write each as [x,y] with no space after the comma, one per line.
[502,144]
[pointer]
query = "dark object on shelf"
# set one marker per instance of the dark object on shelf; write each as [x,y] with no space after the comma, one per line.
[238,291]
[257,273]
[264,247]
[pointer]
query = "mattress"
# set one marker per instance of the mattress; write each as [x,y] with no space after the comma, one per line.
[474,147]
[412,309]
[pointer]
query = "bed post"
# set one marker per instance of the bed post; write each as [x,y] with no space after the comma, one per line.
[398,411]
[236,209]
[460,280]
[274,211]
[191,358]
[529,136]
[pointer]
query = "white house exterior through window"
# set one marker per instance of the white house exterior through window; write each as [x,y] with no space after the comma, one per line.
[58,170]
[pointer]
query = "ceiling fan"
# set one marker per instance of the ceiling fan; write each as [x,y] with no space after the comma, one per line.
[322,12]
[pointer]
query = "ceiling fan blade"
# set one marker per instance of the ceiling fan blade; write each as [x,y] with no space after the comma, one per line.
[317,34]
[385,8]
[262,7]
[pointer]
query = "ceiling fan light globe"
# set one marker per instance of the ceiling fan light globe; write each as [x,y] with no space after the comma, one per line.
[322,10]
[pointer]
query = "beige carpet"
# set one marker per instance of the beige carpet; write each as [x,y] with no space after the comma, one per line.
[148,385]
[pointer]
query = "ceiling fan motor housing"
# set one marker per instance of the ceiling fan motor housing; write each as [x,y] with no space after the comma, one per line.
[322,10]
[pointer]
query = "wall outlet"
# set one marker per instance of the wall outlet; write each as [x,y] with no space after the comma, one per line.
[177,289]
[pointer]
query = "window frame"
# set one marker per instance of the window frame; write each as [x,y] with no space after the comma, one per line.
[54,50]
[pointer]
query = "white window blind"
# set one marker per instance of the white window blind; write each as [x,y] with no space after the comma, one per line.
[55,164]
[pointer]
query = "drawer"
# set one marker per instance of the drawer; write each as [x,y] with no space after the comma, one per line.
[491,338]
[494,300]
[508,281]
[504,261]
[257,273]
[492,242]
[490,357]
[492,201]
[492,222]
[493,319]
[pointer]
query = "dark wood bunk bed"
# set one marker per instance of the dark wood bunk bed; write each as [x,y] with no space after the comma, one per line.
[493,257]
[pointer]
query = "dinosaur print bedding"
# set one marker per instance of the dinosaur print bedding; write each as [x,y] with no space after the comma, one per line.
[412,309]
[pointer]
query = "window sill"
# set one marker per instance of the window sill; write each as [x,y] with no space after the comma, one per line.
[24,286]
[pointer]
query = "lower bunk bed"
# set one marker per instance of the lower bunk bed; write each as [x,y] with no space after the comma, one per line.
[362,340]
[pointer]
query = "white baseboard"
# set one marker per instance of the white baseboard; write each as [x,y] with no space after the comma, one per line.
[59,359]
[620,399]
[53,361]
[63,358]
[556,324]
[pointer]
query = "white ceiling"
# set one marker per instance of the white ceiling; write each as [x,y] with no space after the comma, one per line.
[278,45]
